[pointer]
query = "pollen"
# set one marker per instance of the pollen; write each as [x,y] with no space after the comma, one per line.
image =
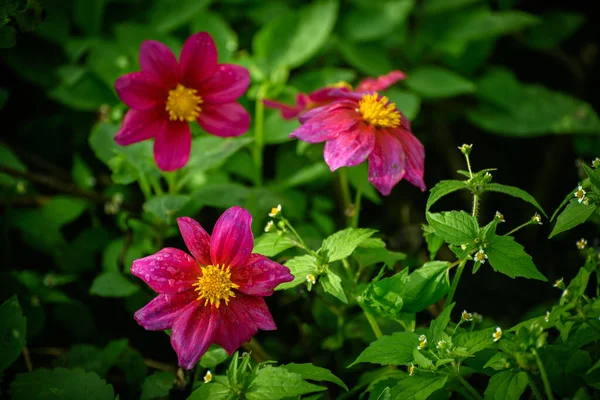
[183,104]
[215,285]
[378,111]
[481,256]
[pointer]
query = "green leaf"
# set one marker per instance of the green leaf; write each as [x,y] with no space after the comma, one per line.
[225,38]
[88,14]
[359,179]
[314,373]
[574,214]
[166,207]
[271,244]
[213,357]
[421,360]
[101,141]
[13,332]
[9,159]
[220,195]
[60,384]
[444,188]
[484,24]
[370,59]
[514,192]
[113,284]
[300,267]
[83,92]
[474,341]
[497,362]
[8,37]
[167,15]
[434,82]
[508,257]
[293,38]
[438,325]
[425,286]
[396,349]
[455,227]
[375,20]
[408,102]
[385,297]
[431,7]
[211,152]
[217,389]
[341,244]
[370,256]
[274,383]
[82,173]
[556,26]
[158,384]
[418,387]
[592,175]
[305,175]
[506,385]
[332,284]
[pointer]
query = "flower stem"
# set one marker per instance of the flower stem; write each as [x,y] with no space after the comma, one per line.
[171,178]
[534,388]
[259,126]
[373,323]
[345,190]
[467,386]
[517,228]
[475,204]
[455,280]
[357,198]
[543,374]
[145,186]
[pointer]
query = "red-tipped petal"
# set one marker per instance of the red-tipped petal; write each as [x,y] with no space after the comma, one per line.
[287,111]
[172,146]
[164,309]
[350,148]
[415,157]
[260,276]
[240,320]
[158,59]
[387,162]
[198,60]
[226,85]
[196,239]
[326,122]
[168,271]
[141,90]
[381,82]
[193,333]
[138,126]
[232,241]
[224,120]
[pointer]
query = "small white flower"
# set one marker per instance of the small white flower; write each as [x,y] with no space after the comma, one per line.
[581,243]
[565,293]
[275,211]
[497,335]
[270,226]
[441,344]
[467,316]
[477,317]
[580,194]
[537,218]
[547,316]
[596,162]
[310,278]
[411,369]
[586,201]
[422,338]
[207,377]
[500,217]
[422,342]
[558,284]
[480,256]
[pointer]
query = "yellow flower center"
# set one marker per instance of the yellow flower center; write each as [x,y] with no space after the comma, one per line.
[480,256]
[580,194]
[183,104]
[378,112]
[215,285]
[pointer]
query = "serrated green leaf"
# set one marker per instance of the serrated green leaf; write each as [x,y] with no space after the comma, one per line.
[455,227]
[13,332]
[271,244]
[425,286]
[574,214]
[421,360]
[475,341]
[385,297]
[396,349]
[434,82]
[217,389]
[213,357]
[438,325]
[341,244]
[158,384]
[418,387]
[166,207]
[370,256]
[514,192]
[274,383]
[506,385]
[332,284]
[60,383]
[300,267]
[497,362]
[444,188]
[211,152]
[592,175]
[508,257]
[113,284]
[314,373]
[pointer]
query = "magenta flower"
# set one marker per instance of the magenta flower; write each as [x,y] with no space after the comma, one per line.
[357,127]
[214,297]
[165,95]
[320,97]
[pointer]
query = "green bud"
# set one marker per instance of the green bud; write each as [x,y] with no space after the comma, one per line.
[466,149]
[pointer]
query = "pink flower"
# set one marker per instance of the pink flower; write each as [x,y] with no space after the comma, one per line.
[216,296]
[357,127]
[320,97]
[165,95]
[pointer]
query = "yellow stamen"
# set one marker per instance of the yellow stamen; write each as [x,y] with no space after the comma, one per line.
[215,285]
[183,104]
[378,112]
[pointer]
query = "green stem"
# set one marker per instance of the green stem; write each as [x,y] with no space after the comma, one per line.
[469,388]
[347,268]
[534,388]
[517,228]
[345,190]
[259,127]
[145,186]
[547,387]
[455,280]
[357,198]
[475,204]
[374,325]
[171,178]
[469,165]
[156,186]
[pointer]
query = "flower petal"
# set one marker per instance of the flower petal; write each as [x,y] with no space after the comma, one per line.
[193,333]
[226,85]
[141,90]
[350,148]
[196,239]
[387,162]
[138,126]
[260,276]
[326,122]
[224,120]
[381,82]
[172,146]
[232,241]
[240,320]
[163,310]
[415,157]
[198,60]
[168,271]
[287,111]
[158,59]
